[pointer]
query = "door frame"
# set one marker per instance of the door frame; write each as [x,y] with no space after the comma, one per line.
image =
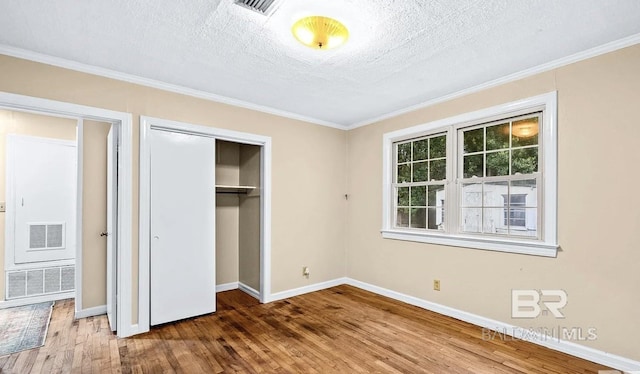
[124,123]
[146,124]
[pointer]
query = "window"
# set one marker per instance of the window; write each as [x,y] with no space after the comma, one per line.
[485,179]
[421,167]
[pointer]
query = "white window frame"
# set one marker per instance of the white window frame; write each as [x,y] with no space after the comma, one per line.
[547,245]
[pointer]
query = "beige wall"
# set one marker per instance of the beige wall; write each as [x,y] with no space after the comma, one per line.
[309,171]
[227,212]
[598,219]
[12,122]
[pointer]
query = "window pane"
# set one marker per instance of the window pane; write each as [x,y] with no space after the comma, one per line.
[498,136]
[402,218]
[421,171]
[527,188]
[525,132]
[404,152]
[420,149]
[404,173]
[474,140]
[471,219]
[438,147]
[493,221]
[436,195]
[419,196]
[438,170]
[497,163]
[434,219]
[524,161]
[419,218]
[524,222]
[472,194]
[494,193]
[473,166]
[403,196]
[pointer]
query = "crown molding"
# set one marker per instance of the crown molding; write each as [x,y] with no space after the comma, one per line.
[130,78]
[90,69]
[584,55]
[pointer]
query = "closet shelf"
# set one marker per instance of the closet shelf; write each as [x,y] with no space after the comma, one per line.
[234,189]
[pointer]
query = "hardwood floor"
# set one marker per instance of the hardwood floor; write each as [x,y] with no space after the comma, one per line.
[339,330]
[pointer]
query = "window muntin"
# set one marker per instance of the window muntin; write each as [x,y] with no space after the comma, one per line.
[419,182]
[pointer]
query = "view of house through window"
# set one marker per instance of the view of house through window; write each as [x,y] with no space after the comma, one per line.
[499,176]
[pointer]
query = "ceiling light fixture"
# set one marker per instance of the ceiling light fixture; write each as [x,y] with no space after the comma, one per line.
[320,32]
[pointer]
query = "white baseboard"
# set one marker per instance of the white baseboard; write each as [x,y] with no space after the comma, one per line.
[248,290]
[36,299]
[571,348]
[226,287]
[306,289]
[90,312]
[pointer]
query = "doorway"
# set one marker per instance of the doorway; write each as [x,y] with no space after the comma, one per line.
[53,236]
[148,129]
[38,179]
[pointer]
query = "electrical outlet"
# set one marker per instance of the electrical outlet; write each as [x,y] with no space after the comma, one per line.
[305,271]
[436,284]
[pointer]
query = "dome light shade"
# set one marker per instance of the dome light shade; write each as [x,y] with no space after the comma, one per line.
[320,32]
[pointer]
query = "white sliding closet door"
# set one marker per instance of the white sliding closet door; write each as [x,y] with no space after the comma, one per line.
[182,226]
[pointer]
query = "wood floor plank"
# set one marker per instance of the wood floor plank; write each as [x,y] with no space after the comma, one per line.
[338,330]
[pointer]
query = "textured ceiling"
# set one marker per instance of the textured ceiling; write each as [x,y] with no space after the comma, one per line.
[400,52]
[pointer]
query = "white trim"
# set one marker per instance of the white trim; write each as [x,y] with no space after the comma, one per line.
[307,289]
[95,70]
[9,225]
[511,246]
[36,299]
[577,57]
[226,287]
[130,78]
[546,247]
[91,312]
[79,205]
[249,290]
[571,348]
[40,265]
[146,124]
[125,181]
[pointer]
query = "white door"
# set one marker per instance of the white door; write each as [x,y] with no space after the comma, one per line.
[182,226]
[112,203]
[42,174]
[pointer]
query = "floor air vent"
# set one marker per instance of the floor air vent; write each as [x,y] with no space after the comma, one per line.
[260,6]
[35,282]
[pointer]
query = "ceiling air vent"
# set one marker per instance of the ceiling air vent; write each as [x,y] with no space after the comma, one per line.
[260,6]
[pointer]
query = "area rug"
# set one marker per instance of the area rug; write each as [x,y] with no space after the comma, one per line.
[24,327]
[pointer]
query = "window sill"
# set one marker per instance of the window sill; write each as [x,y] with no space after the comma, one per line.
[489,244]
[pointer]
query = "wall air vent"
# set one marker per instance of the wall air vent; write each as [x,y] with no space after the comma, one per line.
[261,6]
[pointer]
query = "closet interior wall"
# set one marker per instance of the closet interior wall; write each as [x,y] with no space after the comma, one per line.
[238,215]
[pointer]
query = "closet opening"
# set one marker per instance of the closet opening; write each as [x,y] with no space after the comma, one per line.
[238,217]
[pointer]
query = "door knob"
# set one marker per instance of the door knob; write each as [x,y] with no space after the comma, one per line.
[104,233]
